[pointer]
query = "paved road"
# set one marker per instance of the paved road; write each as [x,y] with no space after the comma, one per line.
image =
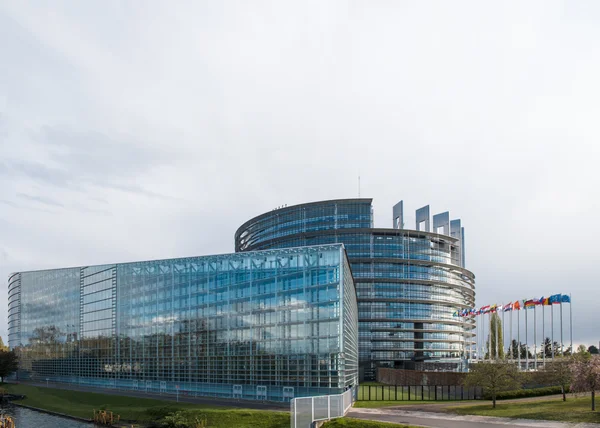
[440,420]
[245,404]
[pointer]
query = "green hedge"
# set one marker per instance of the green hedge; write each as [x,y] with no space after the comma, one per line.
[523,393]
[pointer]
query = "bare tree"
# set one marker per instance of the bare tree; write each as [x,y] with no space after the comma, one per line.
[493,377]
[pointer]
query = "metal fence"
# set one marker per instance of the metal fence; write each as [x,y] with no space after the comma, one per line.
[306,410]
[418,393]
[177,389]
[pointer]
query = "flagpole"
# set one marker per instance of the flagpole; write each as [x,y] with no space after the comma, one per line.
[478,344]
[552,328]
[534,338]
[478,337]
[480,328]
[490,335]
[562,353]
[571,320]
[519,337]
[543,334]
[503,328]
[512,357]
[526,342]
[496,322]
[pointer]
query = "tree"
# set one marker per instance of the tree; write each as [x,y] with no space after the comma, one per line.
[2,346]
[515,348]
[547,348]
[493,377]
[593,350]
[586,374]
[495,333]
[45,335]
[9,363]
[557,372]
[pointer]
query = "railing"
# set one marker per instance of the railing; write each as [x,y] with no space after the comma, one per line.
[418,393]
[307,410]
[183,389]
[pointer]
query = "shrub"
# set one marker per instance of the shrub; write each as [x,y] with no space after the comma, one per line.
[157,413]
[523,393]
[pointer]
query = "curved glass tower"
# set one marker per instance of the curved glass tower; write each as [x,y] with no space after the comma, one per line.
[409,283]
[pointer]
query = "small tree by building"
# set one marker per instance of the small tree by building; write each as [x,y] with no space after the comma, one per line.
[493,377]
[496,338]
[9,363]
[557,372]
[586,374]
[593,350]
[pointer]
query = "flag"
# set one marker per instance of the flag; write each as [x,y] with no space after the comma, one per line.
[565,299]
[538,301]
[499,308]
[529,303]
[508,307]
[546,301]
[493,308]
[555,298]
[485,309]
[455,314]
[517,306]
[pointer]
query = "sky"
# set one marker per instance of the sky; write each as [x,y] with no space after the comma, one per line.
[148,130]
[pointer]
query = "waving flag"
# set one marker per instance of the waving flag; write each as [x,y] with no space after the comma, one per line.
[508,307]
[546,301]
[555,299]
[517,305]
[565,299]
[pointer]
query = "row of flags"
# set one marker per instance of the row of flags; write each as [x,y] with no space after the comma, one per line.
[517,305]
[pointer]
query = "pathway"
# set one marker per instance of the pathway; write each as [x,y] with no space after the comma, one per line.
[444,420]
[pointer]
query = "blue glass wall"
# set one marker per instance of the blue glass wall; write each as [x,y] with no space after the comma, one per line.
[281,323]
[408,282]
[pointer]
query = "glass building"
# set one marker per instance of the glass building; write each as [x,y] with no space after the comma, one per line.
[409,283]
[269,324]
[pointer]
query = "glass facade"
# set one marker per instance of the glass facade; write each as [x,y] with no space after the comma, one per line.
[259,325]
[408,282]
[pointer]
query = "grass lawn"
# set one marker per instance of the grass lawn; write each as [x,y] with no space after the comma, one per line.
[359,423]
[377,404]
[142,410]
[575,409]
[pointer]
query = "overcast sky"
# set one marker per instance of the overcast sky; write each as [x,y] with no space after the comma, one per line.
[144,130]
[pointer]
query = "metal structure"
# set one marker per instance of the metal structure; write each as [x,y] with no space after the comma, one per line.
[266,325]
[408,282]
[306,411]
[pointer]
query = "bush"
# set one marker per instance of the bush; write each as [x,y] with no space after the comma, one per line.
[157,413]
[523,393]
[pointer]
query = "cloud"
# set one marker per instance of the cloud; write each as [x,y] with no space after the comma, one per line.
[78,160]
[41,200]
[160,130]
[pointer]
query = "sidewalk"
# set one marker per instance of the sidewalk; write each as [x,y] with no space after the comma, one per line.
[444,420]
